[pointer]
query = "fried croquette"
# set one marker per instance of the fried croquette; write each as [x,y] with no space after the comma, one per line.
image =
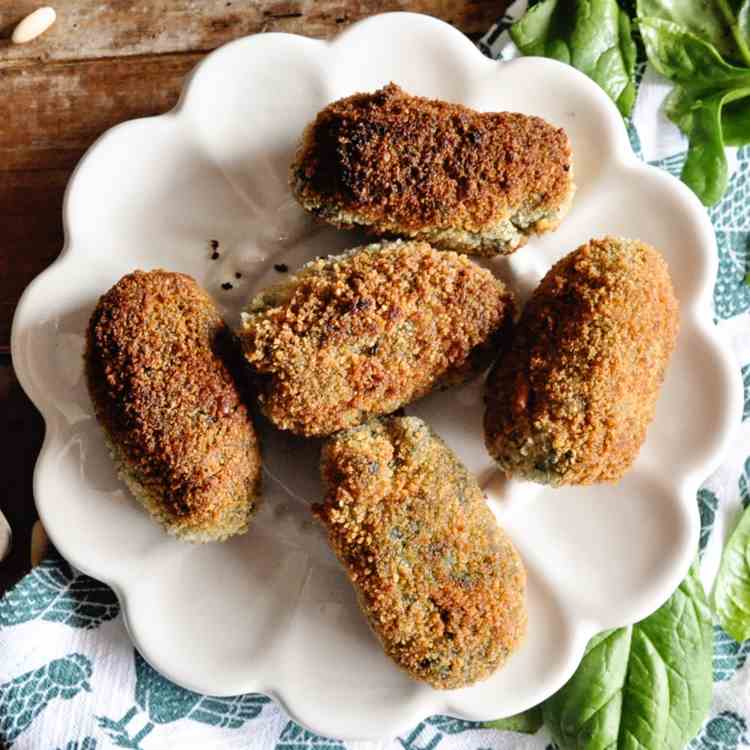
[159,364]
[570,401]
[402,165]
[364,333]
[440,583]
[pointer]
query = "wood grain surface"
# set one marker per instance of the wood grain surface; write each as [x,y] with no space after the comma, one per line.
[88,29]
[100,64]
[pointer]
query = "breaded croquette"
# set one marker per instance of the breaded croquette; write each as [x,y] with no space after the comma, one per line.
[365,333]
[570,402]
[401,165]
[440,583]
[177,427]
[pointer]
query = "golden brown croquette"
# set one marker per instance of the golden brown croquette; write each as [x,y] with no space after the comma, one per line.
[571,400]
[177,427]
[366,332]
[402,165]
[440,583]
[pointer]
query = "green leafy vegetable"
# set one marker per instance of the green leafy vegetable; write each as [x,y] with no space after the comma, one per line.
[592,35]
[743,28]
[647,686]
[715,22]
[529,722]
[681,56]
[732,591]
[735,119]
[701,102]
[705,170]
[740,26]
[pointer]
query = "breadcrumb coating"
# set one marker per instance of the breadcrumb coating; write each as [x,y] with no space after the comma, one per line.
[364,333]
[440,583]
[571,400]
[402,165]
[158,362]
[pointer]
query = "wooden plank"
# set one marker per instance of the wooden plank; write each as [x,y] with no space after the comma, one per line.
[52,113]
[30,207]
[23,427]
[91,29]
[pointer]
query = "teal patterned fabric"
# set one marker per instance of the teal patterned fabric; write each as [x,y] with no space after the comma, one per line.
[53,592]
[25,697]
[725,731]
[294,737]
[708,503]
[69,679]
[729,656]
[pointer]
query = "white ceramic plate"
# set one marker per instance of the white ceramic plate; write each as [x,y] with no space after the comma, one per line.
[272,611]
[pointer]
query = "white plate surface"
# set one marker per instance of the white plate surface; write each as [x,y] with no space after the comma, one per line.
[271,611]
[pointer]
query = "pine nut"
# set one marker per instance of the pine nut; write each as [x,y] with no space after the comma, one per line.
[33,25]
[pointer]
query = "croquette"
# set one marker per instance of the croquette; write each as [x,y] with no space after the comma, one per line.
[571,399]
[406,166]
[160,370]
[439,582]
[364,333]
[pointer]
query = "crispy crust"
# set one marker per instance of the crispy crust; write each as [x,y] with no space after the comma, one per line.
[363,334]
[440,583]
[571,401]
[156,367]
[403,165]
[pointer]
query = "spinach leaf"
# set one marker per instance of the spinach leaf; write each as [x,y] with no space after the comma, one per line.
[646,686]
[594,36]
[705,84]
[740,27]
[529,722]
[732,591]
[735,119]
[743,26]
[714,21]
[683,57]
[705,170]
[705,121]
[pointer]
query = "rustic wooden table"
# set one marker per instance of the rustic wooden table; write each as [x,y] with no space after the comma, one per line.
[105,61]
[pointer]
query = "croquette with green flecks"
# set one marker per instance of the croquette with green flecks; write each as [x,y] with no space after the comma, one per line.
[399,165]
[571,400]
[160,368]
[439,582]
[362,334]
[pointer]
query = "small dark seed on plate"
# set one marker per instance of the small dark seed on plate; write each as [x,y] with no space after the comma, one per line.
[226,285]
[214,255]
[281,267]
[237,275]
[214,244]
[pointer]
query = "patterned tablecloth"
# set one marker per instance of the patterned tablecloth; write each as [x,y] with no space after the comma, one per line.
[71,680]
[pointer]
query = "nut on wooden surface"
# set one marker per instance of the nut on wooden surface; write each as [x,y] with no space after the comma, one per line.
[34,25]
